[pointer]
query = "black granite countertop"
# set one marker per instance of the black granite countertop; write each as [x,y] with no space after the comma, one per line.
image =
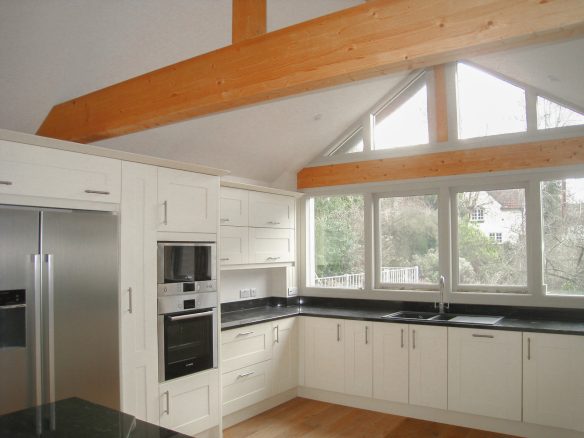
[558,321]
[77,418]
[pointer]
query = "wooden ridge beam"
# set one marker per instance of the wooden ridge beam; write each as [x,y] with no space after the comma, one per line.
[368,40]
[249,18]
[549,153]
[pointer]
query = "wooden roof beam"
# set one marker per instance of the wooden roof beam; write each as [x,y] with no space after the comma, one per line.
[368,40]
[249,18]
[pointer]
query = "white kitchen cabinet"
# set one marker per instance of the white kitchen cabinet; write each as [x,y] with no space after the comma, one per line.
[284,355]
[245,346]
[139,347]
[190,404]
[271,245]
[484,372]
[245,386]
[271,211]
[428,366]
[234,245]
[324,354]
[390,362]
[50,173]
[188,201]
[234,210]
[359,358]
[553,386]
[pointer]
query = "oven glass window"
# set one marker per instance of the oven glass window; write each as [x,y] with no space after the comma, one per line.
[185,264]
[203,263]
[188,345]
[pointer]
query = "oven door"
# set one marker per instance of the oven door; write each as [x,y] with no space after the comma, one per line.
[189,343]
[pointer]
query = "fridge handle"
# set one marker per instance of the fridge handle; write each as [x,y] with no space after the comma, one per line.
[51,325]
[38,395]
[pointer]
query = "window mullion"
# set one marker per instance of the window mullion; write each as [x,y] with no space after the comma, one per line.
[369,261]
[535,241]
[444,240]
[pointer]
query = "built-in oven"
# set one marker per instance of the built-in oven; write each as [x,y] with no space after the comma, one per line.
[186,267]
[187,334]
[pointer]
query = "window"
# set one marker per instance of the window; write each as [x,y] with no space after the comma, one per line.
[552,115]
[482,259]
[563,236]
[353,143]
[408,240]
[487,105]
[477,215]
[337,247]
[404,121]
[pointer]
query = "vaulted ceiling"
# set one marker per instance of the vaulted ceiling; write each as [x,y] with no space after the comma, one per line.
[55,50]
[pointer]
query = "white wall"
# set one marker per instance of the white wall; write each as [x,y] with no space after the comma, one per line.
[267,281]
[284,13]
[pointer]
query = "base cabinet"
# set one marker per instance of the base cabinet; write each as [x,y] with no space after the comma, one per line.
[245,346]
[284,373]
[190,404]
[359,358]
[390,362]
[553,387]
[246,386]
[484,372]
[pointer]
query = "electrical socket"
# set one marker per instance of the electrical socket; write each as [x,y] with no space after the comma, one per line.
[252,292]
[292,291]
[243,293]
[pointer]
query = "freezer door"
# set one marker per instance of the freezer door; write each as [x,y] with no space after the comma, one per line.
[80,297]
[19,370]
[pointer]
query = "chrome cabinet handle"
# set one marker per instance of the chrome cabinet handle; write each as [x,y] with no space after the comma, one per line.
[366,334]
[338,332]
[273,223]
[475,335]
[245,333]
[97,192]
[413,339]
[165,204]
[130,303]
[249,373]
[224,259]
[167,410]
[402,338]
[528,348]
[273,258]
[277,334]
[225,219]
[5,183]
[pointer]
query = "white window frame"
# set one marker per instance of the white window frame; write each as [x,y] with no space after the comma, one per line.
[479,216]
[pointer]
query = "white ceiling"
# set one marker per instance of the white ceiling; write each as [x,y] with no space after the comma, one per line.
[55,50]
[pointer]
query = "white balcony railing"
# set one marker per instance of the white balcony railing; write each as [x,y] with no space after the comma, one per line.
[409,275]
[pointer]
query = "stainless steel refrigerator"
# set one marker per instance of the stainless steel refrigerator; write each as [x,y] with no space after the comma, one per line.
[58,307]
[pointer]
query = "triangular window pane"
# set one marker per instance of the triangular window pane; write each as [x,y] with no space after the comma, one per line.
[487,105]
[404,125]
[353,143]
[552,115]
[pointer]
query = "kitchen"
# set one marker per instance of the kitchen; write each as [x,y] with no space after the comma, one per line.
[396,267]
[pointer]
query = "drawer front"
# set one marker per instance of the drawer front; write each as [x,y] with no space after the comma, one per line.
[42,172]
[234,207]
[245,387]
[245,346]
[271,245]
[271,211]
[234,247]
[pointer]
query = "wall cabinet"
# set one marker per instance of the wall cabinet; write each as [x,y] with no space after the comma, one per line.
[324,354]
[50,173]
[234,246]
[245,346]
[190,404]
[359,358]
[553,387]
[284,355]
[267,210]
[188,201]
[484,372]
[390,362]
[139,347]
[234,209]
[428,366]
[271,245]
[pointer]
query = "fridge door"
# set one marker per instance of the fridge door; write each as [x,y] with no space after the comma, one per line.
[19,292]
[80,304]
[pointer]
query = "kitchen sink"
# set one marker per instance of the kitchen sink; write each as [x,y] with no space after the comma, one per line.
[411,315]
[431,316]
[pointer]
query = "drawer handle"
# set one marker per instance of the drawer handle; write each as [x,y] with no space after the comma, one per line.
[225,219]
[273,258]
[402,338]
[528,348]
[274,223]
[6,183]
[413,339]
[249,373]
[97,192]
[475,335]
[245,333]
[224,259]
[165,220]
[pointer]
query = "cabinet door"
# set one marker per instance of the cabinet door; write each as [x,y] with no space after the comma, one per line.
[188,201]
[553,387]
[234,246]
[272,211]
[390,362]
[324,354]
[190,404]
[234,207]
[359,358]
[139,347]
[285,355]
[428,366]
[245,346]
[484,372]
[271,246]
[50,173]
[245,387]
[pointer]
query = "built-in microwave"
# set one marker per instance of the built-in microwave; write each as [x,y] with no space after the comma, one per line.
[186,267]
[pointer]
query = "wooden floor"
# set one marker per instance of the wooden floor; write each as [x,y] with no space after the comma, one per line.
[313,419]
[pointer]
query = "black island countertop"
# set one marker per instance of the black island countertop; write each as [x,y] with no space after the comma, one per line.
[77,418]
[543,320]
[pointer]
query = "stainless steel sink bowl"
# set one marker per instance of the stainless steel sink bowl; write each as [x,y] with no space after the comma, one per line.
[411,315]
[456,319]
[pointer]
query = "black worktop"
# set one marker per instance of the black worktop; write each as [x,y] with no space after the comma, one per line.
[77,418]
[544,320]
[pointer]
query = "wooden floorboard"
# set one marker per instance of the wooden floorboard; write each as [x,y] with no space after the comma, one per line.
[303,418]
